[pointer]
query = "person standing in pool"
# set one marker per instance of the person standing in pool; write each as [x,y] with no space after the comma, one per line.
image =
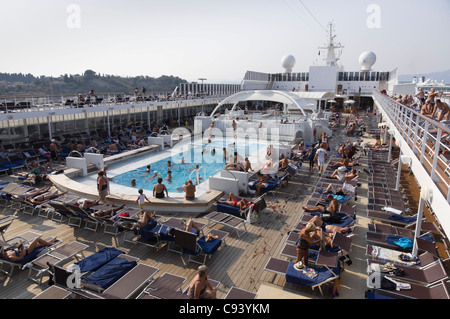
[159,189]
[169,176]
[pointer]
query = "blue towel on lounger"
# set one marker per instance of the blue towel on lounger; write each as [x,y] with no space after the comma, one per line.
[97,260]
[111,272]
[403,219]
[296,277]
[399,241]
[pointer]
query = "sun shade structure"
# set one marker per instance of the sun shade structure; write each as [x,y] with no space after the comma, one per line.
[300,100]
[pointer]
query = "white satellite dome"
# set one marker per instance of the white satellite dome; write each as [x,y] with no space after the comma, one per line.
[367,60]
[288,63]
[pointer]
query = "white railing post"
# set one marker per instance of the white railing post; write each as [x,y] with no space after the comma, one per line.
[424,142]
[436,155]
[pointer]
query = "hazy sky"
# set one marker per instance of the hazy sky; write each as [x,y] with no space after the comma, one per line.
[217,39]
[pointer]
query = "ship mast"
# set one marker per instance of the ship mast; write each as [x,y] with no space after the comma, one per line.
[331,59]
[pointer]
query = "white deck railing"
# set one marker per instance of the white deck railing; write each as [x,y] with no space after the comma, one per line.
[428,139]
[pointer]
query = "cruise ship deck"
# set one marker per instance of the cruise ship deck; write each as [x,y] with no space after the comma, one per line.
[241,262]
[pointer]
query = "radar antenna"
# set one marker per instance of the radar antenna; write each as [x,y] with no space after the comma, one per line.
[332,59]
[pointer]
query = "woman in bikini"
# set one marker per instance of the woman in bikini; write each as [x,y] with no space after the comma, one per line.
[20,252]
[235,202]
[43,198]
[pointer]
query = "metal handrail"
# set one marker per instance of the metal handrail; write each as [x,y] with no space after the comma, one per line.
[415,129]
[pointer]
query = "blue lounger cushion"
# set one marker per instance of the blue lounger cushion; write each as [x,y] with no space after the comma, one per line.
[403,219]
[146,232]
[161,230]
[345,219]
[97,260]
[208,247]
[297,277]
[111,272]
[224,208]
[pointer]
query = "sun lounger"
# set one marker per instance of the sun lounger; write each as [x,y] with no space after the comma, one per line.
[61,254]
[152,235]
[250,213]
[166,286]
[415,291]
[5,222]
[179,223]
[346,220]
[53,292]
[427,276]
[26,238]
[109,273]
[393,219]
[424,243]
[124,219]
[188,243]
[227,220]
[61,211]
[390,255]
[239,293]
[314,277]
[132,283]
[389,229]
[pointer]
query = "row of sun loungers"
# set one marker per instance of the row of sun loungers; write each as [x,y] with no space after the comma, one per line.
[324,265]
[392,270]
[101,278]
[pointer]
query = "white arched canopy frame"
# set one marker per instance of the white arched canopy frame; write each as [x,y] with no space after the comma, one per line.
[287,98]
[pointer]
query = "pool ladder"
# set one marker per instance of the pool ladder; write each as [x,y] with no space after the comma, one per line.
[197,176]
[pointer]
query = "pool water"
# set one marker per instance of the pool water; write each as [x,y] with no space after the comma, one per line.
[209,158]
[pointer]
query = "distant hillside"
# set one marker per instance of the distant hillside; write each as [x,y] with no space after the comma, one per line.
[437,76]
[28,84]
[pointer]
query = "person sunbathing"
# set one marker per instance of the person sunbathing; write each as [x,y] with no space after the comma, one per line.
[331,229]
[332,190]
[235,201]
[43,198]
[32,193]
[328,213]
[261,182]
[17,254]
[86,204]
[346,163]
[144,218]
[342,176]
[106,213]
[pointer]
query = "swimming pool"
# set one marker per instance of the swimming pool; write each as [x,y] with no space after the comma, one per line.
[209,157]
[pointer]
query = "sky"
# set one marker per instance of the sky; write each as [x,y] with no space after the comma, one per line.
[218,39]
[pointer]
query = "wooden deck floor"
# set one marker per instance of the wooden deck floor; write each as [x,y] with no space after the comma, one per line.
[240,263]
